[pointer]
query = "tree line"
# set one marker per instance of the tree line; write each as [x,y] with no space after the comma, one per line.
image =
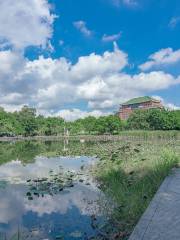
[27,123]
[154,119]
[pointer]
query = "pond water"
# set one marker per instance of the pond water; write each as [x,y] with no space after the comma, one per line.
[47,197]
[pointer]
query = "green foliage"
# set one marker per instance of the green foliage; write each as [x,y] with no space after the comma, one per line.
[27,123]
[26,117]
[177,119]
[154,119]
[109,124]
[50,126]
[9,126]
[138,120]
[103,125]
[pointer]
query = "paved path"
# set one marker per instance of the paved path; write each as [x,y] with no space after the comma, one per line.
[161,220]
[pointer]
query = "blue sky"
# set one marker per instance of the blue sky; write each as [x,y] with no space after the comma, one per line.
[145,27]
[77,58]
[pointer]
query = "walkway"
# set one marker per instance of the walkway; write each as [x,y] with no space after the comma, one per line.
[161,220]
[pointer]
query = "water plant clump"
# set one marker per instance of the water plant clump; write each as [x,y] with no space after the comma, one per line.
[51,185]
[55,183]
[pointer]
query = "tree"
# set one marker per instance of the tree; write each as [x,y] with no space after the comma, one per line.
[27,118]
[154,119]
[50,125]
[27,123]
[161,119]
[89,124]
[138,120]
[108,124]
[177,119]
[114,124]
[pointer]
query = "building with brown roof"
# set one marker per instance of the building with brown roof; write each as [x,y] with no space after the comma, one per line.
[127,108]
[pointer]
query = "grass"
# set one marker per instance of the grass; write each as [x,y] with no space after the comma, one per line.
[131,173]
[151,135]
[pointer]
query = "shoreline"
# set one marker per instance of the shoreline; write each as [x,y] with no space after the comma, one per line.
[124,135]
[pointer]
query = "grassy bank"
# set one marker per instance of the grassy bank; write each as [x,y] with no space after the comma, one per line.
[131,173]
[151,134]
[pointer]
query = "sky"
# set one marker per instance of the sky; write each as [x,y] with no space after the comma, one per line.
[77,58]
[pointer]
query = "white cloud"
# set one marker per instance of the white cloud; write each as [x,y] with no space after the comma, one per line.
[105,104]
[73,114]
[12,107]
[52,84]
[153,81]
[172,106]
[81,26]
[94,65]
[162,57]
[174,21]
[92,88]
[70,114]
[10,62]
[25,23]
[111,38]
[110,90]
[168,105]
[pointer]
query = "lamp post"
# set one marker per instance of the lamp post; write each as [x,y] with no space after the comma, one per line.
[66,135]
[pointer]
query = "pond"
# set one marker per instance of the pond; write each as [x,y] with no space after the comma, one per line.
[47,197]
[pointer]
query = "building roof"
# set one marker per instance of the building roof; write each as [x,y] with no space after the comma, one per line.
[139,100]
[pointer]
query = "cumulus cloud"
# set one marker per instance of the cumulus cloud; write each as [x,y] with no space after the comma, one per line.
[162,57]
[111,38]
[51,85]
[111,90]
[81,26]
[73,114]
[25,23]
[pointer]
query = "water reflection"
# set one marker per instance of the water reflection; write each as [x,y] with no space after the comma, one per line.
[65,215]
[17,172]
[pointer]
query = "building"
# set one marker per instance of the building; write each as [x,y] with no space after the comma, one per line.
[127,108]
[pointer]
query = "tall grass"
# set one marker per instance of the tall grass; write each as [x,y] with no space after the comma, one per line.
[133,177]
[150,135]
